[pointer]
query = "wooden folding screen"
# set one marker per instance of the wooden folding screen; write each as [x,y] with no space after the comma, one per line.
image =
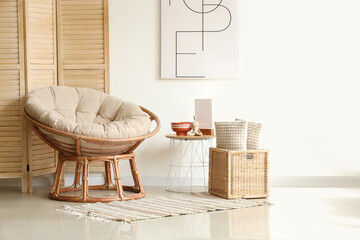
[12,90]
[42,43]
[41,70]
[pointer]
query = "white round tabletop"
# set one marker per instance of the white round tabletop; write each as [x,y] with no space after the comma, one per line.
[203,137]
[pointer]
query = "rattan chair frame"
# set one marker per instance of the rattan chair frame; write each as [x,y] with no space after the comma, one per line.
[83,156]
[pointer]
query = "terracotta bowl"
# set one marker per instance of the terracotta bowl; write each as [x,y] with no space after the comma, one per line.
[181,128]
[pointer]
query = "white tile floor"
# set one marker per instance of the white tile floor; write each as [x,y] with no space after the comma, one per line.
[297,213]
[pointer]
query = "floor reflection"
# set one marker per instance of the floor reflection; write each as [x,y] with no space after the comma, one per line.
[344,207]
[248,223]
[91,229]
[344,211]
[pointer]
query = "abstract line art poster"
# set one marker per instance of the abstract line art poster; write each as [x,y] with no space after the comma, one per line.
[199,39]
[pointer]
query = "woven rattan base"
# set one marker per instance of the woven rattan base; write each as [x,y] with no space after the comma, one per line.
[81,179]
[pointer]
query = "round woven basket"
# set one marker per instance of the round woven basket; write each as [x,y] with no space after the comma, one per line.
[231,135]
[253,135]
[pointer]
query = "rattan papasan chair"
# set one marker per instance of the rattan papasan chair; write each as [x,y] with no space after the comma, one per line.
[87,126]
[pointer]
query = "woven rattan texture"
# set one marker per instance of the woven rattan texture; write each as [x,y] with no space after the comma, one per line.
[233,174]
[253,136]
[231,135]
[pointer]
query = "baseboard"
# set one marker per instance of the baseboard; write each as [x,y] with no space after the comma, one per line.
[283,181]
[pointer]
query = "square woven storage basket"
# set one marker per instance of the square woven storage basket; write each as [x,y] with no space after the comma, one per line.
[238,174]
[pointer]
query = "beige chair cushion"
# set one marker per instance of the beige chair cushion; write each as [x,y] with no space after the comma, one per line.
[86,112]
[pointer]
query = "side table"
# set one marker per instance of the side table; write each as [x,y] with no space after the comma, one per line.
[188,166]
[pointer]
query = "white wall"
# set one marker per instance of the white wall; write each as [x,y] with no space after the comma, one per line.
[299,76]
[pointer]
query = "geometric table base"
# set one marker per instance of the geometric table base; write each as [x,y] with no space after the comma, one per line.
[188,167]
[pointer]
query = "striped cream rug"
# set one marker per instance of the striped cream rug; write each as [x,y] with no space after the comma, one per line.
[152,208]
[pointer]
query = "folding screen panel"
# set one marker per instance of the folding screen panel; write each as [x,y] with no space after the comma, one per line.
[12,90]
[41,66]
[83,38]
